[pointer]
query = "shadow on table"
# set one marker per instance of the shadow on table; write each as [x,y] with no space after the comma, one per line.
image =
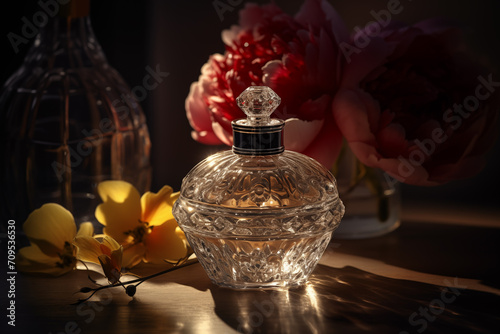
[109,311]
[349,300]
[441,249]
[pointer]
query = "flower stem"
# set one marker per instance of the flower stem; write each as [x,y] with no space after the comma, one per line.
[183,263]
[374,183]
[354,173]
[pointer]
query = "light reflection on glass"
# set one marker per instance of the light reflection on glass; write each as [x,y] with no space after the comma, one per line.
[313,298]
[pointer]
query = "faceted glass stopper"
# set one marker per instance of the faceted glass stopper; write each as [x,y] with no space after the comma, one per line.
[258,103]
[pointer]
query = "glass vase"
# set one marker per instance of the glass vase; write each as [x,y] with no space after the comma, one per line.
[69,121]
[372,199]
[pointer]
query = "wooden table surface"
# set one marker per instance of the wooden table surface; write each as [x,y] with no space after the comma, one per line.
[438,273]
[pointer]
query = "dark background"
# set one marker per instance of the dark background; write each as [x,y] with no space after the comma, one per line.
[180,36]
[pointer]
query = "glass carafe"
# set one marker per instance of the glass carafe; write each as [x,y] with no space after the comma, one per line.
[68,121]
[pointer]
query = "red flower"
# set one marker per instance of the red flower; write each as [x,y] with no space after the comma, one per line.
[416,113]
[299,58]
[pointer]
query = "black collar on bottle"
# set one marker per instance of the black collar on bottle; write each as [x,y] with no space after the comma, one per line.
[258,140]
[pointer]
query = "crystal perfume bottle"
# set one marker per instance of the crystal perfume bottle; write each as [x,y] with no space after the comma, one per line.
[258,216]
[68,121]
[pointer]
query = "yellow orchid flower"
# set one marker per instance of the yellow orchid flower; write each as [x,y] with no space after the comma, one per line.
[103,250]
[144,226]
[50,230]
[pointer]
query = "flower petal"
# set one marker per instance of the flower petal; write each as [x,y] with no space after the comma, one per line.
[206,137]
[133,255]
[88,248]
[49,227]
[121,209]
[110,269]
[117,258]
[165,243]
[299,134]
[111,243]
[33,261]
[321,14]
[222,134]
[326,146]
[157,208]
[85,229]
[197,111]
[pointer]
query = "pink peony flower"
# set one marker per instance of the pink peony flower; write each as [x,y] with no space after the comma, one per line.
[413,105]
[298,57]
